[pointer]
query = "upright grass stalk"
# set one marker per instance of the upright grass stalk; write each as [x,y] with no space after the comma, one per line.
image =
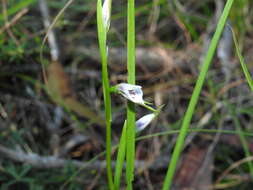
[130,148]
[195,95]
[232,110]
[102,32]
[243,64]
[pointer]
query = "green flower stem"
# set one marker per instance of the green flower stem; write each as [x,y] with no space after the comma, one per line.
[130,132]
[194,98]
[106,90]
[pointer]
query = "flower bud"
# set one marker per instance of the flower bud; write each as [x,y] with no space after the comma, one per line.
[106,12]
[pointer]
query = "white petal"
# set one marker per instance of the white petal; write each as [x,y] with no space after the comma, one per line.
[131,92]
[106,14]
[143,122]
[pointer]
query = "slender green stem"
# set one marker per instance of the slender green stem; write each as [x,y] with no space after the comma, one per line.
[195,95]
[106,90]
[149,108]
[130,149]
[131,42]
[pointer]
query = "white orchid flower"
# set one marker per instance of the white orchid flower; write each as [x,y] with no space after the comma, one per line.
[106,12]
[143,122]
[131,92]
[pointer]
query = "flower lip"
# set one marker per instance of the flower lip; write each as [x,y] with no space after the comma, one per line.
[131,92]
[144,121]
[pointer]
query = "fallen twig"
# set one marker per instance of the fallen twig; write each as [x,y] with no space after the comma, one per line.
[46,162]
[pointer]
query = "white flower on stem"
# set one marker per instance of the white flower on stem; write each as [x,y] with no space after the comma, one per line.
[131,92]
[143,122]
[106,12]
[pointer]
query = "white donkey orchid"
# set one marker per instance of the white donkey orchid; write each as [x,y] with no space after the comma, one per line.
[131,92]
[144,121]
[134,94]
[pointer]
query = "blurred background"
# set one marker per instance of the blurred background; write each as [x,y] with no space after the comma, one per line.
[52,133]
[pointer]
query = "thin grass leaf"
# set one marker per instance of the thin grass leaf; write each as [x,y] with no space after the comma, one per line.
[195,96]
[243,64]
[120,158]
[171,132]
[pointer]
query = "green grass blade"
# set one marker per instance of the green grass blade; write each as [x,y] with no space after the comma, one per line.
[195,95]
[120,158]
[106,90]
[171,132]
[243,65]
[130,148]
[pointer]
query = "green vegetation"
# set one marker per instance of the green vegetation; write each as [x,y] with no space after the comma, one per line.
[195,95]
